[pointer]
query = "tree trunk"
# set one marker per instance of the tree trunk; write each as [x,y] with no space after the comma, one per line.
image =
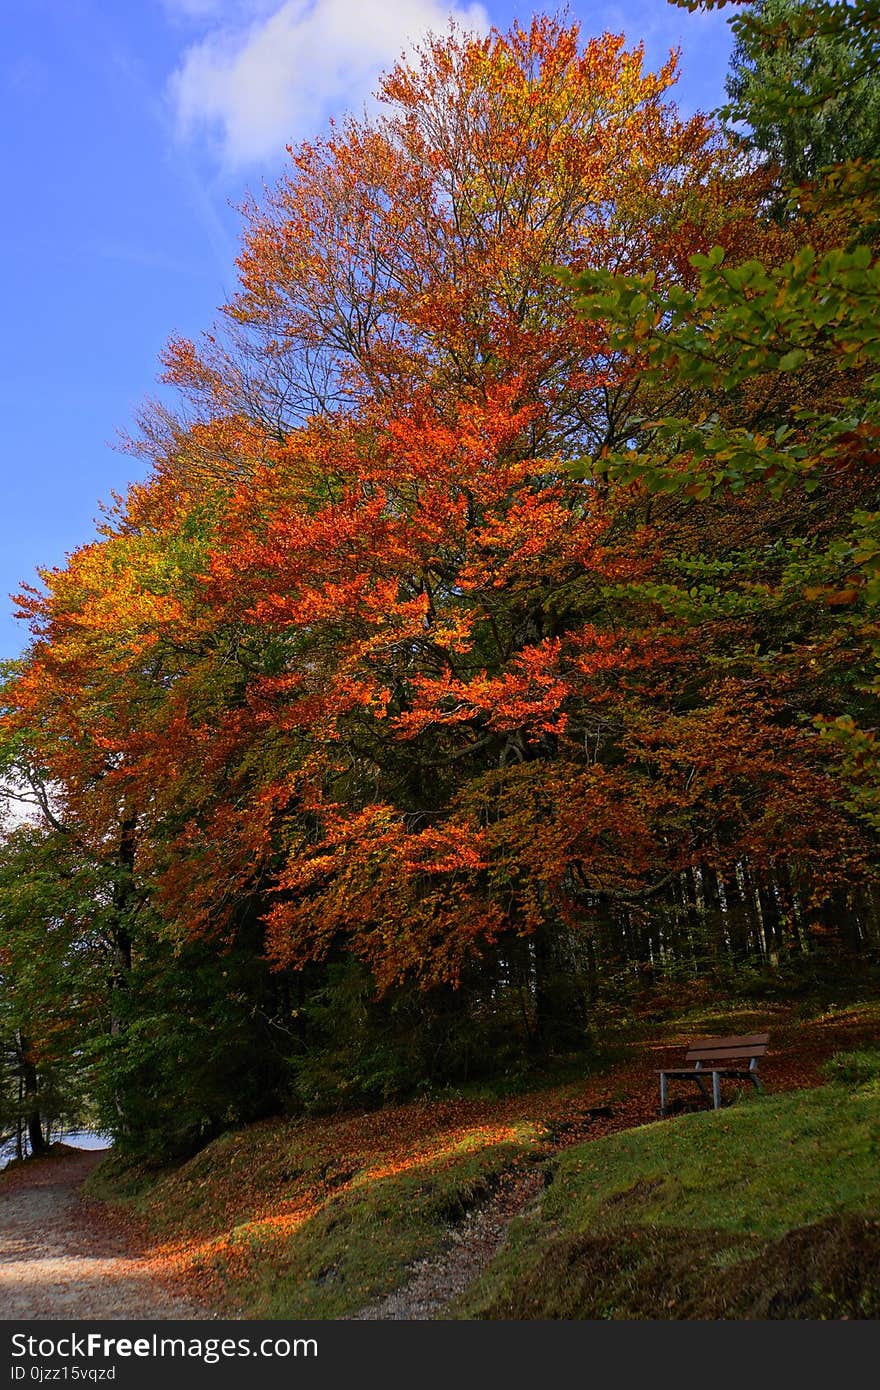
[31,1106]
[123,894]
[19,1115]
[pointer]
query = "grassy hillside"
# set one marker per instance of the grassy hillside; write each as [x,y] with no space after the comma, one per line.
[319,1216]
[299,1219]
[768,1209]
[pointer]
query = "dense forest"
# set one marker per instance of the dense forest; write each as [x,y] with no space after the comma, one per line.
[494,639]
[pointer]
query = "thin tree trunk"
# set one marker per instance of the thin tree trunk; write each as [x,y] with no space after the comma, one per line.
[31,1107]
[19,1116]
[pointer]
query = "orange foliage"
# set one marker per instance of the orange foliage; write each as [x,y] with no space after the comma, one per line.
[363,650]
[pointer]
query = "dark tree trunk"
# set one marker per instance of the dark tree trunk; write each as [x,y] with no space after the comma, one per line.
[123,896]
[30,1106]
[19,1116]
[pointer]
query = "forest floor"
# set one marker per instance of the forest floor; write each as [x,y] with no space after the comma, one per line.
[435,1283]
[393,1213]
[64,1256]
[447,1282]
[390,1214]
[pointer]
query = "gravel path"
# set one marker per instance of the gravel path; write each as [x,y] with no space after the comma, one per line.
[435,1283]
[62,1256]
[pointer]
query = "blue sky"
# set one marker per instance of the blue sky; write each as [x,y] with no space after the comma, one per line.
[132,131]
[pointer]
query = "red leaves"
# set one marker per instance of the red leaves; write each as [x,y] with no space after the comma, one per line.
[529,697]
[248,1200]
[363,655]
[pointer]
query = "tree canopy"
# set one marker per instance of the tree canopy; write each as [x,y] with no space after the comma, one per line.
[495,630]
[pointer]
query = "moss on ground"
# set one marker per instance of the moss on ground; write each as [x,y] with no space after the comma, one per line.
[764,1210]
[316,1219]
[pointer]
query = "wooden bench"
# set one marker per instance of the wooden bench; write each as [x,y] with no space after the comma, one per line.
[717,1057]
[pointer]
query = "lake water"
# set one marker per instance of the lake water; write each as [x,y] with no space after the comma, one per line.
[78,1139]
[84,1139]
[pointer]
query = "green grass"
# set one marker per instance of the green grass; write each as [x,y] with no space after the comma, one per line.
[768,1208]
[854,1067]
[316,1219]
[765,1209]
[356,1248]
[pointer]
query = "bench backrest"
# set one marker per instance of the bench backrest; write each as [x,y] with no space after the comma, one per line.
[734,1049]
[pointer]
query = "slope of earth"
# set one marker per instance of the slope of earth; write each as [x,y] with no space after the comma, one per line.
[395,1213]
[766,1210]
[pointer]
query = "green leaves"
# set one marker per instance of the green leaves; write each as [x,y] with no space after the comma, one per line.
[804,82]
[790,361]
[767,372]
[737,328]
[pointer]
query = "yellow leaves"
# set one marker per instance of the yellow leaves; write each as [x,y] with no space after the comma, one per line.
[414,252]
[849,592]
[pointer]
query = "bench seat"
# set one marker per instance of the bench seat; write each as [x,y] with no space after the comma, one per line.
[707,1071]
[715,1058]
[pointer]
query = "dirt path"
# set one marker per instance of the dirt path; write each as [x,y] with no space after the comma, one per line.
[435,1283]
[62,1256]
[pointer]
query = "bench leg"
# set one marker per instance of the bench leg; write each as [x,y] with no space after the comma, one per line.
[716,1090]
[753,1077]
[702,1085]
[662,1093]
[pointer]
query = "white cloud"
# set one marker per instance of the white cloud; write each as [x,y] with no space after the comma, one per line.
[257,86]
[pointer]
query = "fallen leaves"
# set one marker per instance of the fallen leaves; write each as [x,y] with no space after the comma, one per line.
[246,1198]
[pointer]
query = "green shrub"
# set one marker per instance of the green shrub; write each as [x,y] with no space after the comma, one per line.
[854,1068]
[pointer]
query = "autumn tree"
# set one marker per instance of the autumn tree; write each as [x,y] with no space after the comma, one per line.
[399,562]
[782,351]
[406,254]
[459,658]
